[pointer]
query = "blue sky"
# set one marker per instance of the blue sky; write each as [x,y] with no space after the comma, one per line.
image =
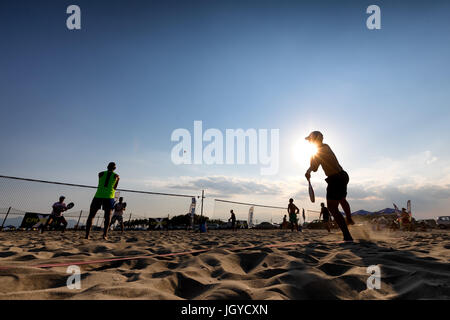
[72,101]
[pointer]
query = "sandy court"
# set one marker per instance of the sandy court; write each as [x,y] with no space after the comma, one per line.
[413,265]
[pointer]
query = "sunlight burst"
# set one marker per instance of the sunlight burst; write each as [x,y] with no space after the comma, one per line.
[303,151]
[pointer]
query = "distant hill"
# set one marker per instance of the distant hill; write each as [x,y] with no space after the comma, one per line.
[383,211]
[362,212]
[386,211]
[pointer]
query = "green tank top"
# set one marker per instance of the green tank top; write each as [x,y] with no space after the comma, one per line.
[106,182]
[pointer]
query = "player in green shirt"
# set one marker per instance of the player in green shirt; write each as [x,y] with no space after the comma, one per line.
[104,198]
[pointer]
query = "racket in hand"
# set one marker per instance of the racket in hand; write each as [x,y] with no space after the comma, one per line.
[311,192]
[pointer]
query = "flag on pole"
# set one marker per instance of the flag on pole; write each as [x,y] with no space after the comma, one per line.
[192,210]
[408,208]
[397,210]
[250,217]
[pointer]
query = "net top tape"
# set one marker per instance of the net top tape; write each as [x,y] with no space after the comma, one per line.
[93,187]
[250,204]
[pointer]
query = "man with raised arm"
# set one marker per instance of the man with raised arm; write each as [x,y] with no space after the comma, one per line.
[104,198]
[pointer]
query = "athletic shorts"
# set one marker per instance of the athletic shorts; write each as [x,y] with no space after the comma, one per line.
[293,218]
[337,186]
[117,218]
[326,218]
[98,203]
[57,219]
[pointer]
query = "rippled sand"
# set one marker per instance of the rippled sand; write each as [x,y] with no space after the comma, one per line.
[413,265]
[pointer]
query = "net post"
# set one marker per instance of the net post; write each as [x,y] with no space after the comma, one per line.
[78,222]
[4,220]
[203,196]
[129,220]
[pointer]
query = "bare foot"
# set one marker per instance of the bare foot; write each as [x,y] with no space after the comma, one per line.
[349,221]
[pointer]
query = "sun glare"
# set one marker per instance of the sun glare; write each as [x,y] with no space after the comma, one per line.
[303,151]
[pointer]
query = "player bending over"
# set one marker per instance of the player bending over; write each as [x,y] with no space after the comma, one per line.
[56,215]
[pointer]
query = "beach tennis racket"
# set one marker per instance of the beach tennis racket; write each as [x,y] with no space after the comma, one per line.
[311,192]
[70,206]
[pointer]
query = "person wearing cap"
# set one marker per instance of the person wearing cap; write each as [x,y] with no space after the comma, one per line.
[337,180]
[104,198]
[56,215]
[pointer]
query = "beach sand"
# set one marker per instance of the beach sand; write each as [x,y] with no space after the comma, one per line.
[414,265]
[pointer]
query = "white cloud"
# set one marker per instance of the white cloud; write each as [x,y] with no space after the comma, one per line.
[419,169]
[226,186]
[422,178]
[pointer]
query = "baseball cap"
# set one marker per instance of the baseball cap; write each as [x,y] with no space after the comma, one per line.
[315,135]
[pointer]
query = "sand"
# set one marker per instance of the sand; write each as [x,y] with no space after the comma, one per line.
[414,265]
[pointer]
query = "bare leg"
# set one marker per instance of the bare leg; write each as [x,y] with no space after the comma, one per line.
[333,208]
[46,224]
[107,223]
[91,217]
[348,213]
[113,221]
[64,223]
